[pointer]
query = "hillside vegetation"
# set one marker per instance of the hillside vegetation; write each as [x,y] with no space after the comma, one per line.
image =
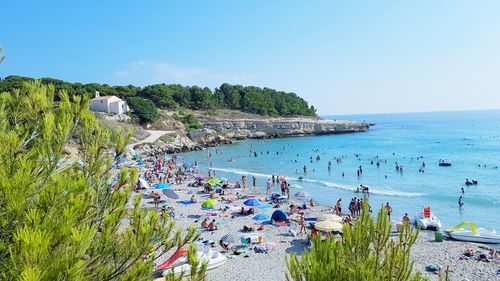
[262,101]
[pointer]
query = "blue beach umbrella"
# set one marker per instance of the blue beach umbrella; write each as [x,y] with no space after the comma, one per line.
[252,202]
[161,185]
[261,217]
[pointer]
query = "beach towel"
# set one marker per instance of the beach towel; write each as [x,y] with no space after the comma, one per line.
[186,202]
[265,207]
[280,223]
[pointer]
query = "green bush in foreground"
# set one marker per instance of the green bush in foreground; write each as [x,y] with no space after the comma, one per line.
[64,221]
[366,253]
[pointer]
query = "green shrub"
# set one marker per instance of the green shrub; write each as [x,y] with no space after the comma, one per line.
[366,252]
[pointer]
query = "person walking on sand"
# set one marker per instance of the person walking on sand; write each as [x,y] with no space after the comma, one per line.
[302,224]
[244,181]
[269,184]
[389,210]
[254,183]
[406,219]
[338,207]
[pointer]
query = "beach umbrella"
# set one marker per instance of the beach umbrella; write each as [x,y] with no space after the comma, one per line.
[200,178]
[330,217]
[161,185]
[223,179]
[214,181]
[170,193]
[252,202]
[229,239]
[296,186]
[208,204]
[328,226]
[302,195]
[279,215]
[261,217]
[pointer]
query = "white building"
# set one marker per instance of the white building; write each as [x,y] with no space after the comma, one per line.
[108,104]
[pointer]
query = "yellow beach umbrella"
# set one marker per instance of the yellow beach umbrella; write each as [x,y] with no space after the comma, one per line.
[330,217]
[328,226]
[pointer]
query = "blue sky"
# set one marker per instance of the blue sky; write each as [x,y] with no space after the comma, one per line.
[344,57]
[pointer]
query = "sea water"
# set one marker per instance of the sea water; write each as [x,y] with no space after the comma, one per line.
[469,140]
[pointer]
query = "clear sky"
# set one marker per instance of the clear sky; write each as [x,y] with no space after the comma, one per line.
[341,56]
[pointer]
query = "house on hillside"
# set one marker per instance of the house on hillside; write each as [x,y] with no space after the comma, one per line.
[108,104]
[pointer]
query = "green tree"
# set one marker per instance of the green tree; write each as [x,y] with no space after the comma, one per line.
[145,110]
[366,252]
[63,221]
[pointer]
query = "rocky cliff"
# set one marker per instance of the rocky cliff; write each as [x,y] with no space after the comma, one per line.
[279,127]
[220,130]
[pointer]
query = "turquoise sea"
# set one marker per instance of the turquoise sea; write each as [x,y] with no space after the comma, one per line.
[469,140]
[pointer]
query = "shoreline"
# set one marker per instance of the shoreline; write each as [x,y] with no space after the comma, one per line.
[272,266]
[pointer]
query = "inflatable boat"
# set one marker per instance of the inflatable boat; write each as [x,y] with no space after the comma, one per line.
[427,220]
[479,235]
[180,264]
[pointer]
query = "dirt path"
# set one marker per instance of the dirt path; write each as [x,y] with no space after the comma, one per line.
[153,136]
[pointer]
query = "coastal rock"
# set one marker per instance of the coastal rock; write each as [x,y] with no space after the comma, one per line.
[201,134]
[278,127]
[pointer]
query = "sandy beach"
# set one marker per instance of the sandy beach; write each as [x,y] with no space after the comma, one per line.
[279,241]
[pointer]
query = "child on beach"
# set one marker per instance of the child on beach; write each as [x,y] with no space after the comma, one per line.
[302,224]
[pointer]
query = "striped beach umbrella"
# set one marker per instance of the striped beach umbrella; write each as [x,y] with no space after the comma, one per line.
[170,193]
[229,239]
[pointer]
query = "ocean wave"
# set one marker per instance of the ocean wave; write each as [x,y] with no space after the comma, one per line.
[373,190]
[240,172]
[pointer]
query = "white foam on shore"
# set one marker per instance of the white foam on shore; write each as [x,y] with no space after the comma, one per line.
[373,190]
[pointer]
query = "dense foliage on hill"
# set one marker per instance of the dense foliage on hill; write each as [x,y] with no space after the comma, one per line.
[144,110]
[250,99]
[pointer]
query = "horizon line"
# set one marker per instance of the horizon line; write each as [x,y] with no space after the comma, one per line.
[409,112]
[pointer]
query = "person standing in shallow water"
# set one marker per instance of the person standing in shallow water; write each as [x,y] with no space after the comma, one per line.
[254,183]
[269,184]
[460,203]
